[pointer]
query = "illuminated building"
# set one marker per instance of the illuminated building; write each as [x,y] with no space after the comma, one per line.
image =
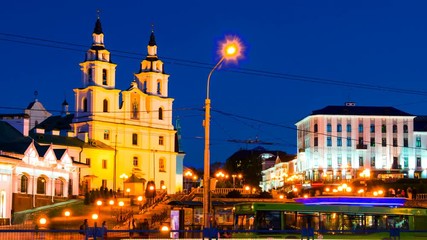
[347,142]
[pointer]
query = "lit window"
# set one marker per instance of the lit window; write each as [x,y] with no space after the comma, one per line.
[329,127]
[41,185]
[329,141]
[162,165]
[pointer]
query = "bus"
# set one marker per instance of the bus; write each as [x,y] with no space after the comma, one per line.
[286,219]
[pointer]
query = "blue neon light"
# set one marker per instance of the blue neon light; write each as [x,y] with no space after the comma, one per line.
[357,201]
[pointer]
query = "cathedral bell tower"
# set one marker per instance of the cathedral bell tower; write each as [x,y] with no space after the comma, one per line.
[98,96]
[151,78]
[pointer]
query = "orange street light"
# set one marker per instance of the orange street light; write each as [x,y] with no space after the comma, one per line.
[230,50]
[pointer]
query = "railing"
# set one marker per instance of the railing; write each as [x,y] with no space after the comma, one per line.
[421,196]
[221,191]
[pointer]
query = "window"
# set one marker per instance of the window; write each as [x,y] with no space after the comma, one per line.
[339,141]
[349,161]
[405,128]
[104,164]
[315,128]
[418,142]
[329,141]
[394,142]
[361,128]
[84,104]
[160,114]
[405,142]
[384,142]
[134,139]
[405,162]
[394,128]
[339,127]
[339,160]
[373,161]
[161,140]
[135,111]
[372,128]
[316,142]
[348,141]
[144,87]
[59,187]
[383,128]
[162,165]
[360,161]
[106,135]
[105,105]
[329,159]
[89,75]
[418,162]
[104,76]
[24,184]
[348,127]
[361,142]
[329,127]
[88,161]
[135,161]
[41,185]
[372,142]
[159,87]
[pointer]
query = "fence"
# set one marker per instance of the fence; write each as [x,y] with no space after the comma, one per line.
[212,233]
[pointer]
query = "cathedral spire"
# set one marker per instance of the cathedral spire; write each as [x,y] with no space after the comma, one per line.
[152,41]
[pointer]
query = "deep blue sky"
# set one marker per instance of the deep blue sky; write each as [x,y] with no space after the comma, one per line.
[378,43]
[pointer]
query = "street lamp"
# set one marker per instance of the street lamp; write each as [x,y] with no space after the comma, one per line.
[67,214]
[99,204]
[230,49]
[123,177]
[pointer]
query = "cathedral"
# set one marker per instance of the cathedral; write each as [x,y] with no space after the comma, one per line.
[120,140]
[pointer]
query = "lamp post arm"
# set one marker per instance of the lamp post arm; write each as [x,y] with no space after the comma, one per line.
[209,77]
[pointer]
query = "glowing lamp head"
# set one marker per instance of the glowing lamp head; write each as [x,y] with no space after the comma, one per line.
[67,213]
[231,49]
[111,202]
[164,228]
[139,198]
[42,221]
[94,216]
[99,202]
[121,203]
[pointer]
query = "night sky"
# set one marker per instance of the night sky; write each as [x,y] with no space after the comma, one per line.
[300,56]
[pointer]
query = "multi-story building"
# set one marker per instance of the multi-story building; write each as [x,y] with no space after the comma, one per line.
[346,142]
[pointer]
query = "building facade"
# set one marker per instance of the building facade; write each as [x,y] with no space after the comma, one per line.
[347,142]
[136,122]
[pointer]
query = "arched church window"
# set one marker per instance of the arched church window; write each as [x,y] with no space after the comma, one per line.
[160,114]
[144,87]
[89,75]
[84,104]
[162,165]
[159,86]
[135,111]
[24,184]
[104,76]
[105,106]
[41,185]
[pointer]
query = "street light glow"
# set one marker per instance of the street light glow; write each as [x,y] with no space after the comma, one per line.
[231,49]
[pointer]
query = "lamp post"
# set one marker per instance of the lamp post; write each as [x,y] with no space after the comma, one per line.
[230,49]
[123,177]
